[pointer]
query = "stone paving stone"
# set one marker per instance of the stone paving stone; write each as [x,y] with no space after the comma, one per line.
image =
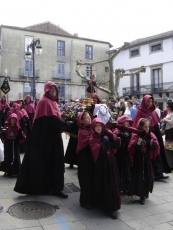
[159,218]
[160,208]
[32,228]
[126,215]
[65,226]
[9,222]
[104,224]
[137,224]
[62,215]
[165,226]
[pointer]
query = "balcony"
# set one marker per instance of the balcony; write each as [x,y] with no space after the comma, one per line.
[63,77]
[23,73]
[166,87]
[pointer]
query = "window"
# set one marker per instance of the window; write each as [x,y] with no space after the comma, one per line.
[157,84]
[135,84]
[61,48]
[106,69]
[134,53]
[88,70]
[88,52]
[60,72]
[27,89]
[61,91]
[28,40]
[28,72]
[155,47]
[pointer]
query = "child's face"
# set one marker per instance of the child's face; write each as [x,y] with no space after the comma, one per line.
[98,128]
[92,78]
[146,126]
[13,121]
[126,123]
[20,103]
[86,119]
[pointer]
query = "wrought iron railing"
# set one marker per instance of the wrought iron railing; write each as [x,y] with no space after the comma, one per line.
[166,87]
[25,73]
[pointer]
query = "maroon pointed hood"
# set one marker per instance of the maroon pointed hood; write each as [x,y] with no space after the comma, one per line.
[144,112]
[95,138]
[83,133]
[47,106]
[143,105]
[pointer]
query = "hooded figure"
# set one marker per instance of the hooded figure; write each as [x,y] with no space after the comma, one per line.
[42,170]
[85,160]
[11,136]
[104,145]
[143,148]
[4,108]
[147,110]
[123,131]
[29,107]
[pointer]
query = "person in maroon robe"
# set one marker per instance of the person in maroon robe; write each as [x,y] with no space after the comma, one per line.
[122,156]
[24,122]
[142,148]
[42,170]
[91,86]
[104,145]
[12,136]
[85,161]
[4,108]
[147,110]
[29,107]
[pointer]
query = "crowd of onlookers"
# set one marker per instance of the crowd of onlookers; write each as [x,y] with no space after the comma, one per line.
[116,144]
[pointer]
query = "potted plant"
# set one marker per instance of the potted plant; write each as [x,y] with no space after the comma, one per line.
[169,152]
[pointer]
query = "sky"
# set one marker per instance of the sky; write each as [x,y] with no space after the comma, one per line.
[114,21]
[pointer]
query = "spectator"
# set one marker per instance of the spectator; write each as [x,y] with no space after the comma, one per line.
[130,110]
[136,103]
[168,120]
[126,98]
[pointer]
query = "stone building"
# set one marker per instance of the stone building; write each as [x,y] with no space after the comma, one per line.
[56,63]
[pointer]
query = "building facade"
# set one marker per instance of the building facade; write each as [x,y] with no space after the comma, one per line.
[56,63]
[156,54]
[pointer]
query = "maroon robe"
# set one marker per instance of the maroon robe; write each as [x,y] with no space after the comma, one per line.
[160,163]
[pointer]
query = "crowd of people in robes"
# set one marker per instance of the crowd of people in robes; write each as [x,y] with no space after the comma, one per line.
[113,159]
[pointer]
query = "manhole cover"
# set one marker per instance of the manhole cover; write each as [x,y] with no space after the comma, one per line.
[70,187]
[30,210]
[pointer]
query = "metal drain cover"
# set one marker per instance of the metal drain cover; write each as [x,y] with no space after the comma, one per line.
[30,210]
[70,187]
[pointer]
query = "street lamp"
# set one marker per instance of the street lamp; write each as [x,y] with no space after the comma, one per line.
[35,47]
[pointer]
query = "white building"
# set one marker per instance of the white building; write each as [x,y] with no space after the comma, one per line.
[156,54]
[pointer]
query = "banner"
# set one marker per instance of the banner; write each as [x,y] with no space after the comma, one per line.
[5,87]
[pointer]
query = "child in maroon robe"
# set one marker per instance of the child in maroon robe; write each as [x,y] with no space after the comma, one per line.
[12,136]
[85,160]
[122,157]
[103,145]
[143,148]
[29,107]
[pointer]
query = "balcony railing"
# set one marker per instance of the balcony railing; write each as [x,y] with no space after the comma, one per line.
[148,89]
[24,73]
[63,77]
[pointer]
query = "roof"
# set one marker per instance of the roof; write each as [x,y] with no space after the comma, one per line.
[52,29]
[49,27]
[154,38]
